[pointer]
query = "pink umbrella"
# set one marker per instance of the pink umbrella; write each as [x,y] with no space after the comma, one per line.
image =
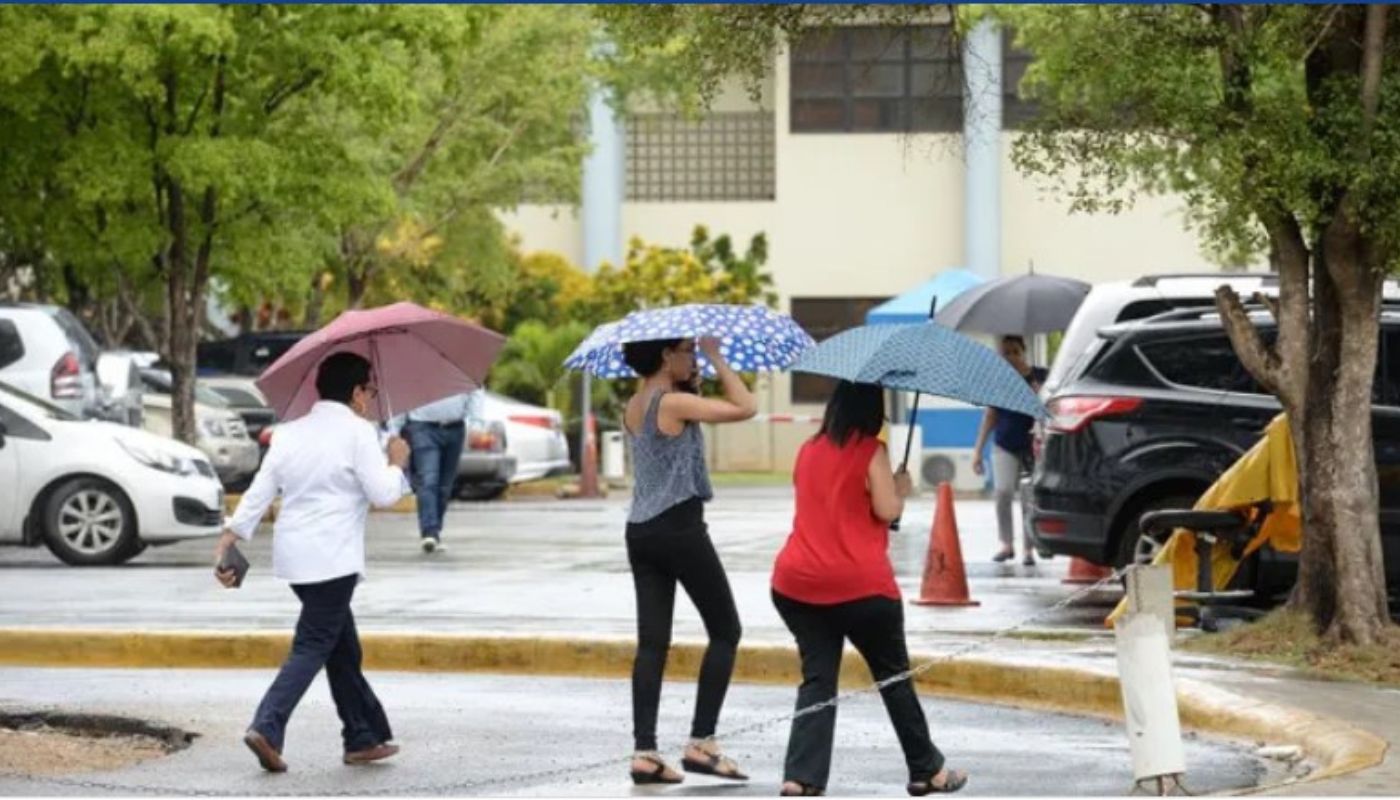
[418,356]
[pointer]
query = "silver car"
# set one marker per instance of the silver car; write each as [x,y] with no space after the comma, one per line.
[221,433]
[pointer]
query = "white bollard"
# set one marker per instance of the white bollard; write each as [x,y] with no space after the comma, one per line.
[1149,691]
[614,457]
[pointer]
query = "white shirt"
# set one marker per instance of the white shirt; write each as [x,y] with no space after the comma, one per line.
[329,467]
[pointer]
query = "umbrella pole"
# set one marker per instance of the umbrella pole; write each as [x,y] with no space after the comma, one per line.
[914,413]
[909,439]
[386,409]
[908,445]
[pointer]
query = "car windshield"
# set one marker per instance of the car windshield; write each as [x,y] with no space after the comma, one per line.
[50,411]
[159,382]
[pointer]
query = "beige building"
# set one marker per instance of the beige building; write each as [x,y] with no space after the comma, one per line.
[854,165]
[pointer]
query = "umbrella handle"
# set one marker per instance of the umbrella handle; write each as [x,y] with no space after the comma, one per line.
[386,410]
[908,447]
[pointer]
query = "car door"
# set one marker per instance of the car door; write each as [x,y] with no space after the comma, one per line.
[1385,435]
[11,515]
[9,479]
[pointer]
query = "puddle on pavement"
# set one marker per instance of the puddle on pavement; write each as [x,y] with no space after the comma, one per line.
[47,743]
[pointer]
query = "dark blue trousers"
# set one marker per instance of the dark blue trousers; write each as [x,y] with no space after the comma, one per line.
[325,637]
[436,450]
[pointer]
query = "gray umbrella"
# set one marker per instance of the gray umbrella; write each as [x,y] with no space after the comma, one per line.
[1020,304]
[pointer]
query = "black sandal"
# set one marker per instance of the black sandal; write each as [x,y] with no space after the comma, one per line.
[711,766]
[955,781]
[806,790]
[642,777]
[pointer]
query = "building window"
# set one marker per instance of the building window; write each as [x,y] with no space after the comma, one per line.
[824,317]
[1016,112]
[721,156]
[881,79]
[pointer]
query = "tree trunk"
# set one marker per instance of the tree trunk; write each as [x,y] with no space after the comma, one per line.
[356,285]
[1341,572]
[315,302]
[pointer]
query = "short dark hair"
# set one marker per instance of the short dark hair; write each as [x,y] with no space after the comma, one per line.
[340,374]
[1014,337]
[853,408]
[645,357]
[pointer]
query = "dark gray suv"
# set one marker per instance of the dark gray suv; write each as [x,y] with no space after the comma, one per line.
[1156,411]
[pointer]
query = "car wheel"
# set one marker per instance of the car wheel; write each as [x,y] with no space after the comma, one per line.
[1133,547]
[89,522]
[480,491]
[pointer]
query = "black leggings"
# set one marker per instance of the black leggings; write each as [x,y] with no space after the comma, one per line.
[676,547]
[875,625]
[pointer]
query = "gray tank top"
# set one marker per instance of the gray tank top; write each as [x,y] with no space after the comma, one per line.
[667,470]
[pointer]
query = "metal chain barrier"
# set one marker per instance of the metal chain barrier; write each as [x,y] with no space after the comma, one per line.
[571,770]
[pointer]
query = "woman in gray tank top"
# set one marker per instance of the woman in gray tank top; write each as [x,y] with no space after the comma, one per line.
[668,543]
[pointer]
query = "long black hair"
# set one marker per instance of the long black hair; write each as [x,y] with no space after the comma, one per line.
[854,408]
[645,358]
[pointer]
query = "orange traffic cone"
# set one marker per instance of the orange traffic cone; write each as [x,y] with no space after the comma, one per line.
[945,580]
[1082,572]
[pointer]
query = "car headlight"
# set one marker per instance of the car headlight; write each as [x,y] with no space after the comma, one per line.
[159,459]
[213,428]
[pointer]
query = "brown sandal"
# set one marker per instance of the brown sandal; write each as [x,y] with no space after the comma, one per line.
[719,766]
[643,777]
[954,781]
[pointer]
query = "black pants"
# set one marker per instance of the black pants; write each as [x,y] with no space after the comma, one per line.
[875,625]
[676,548]
[325,637]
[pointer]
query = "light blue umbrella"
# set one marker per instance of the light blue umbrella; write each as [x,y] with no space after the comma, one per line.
[752,338]
[926,358]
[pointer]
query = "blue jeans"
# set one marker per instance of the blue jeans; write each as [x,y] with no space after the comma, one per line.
[436,451]
[325,637]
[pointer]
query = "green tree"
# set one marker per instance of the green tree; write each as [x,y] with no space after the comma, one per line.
[155,149]
[709,271]
[531,365]
[1277,125]
[497,123]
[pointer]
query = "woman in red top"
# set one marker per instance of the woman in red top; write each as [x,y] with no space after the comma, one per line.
[833,581]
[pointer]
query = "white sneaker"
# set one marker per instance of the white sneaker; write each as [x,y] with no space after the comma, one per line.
[430,544]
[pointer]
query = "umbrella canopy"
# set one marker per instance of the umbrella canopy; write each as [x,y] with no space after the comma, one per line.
[923,357]
[1020,304]
[913,305]
[418,356]
[752,338]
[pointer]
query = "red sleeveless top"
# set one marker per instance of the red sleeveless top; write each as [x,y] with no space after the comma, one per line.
[838,550]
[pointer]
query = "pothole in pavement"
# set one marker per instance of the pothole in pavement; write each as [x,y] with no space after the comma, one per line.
[52,743]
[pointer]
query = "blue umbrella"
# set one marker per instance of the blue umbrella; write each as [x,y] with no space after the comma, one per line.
[926,358]
[752,338]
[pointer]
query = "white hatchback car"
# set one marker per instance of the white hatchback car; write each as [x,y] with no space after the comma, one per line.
[97,492]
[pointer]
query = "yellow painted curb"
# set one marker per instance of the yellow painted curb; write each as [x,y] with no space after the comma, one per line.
[408,505]
[1334,746]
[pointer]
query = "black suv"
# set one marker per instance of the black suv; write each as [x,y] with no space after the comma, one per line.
[246,354]
[1155,411]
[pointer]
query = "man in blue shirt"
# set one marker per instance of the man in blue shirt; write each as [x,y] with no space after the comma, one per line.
[436,432]
[1011,452]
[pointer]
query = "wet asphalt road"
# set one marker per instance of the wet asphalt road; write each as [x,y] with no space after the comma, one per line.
[485,735]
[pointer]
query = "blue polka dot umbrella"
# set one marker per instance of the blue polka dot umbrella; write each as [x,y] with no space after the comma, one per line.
[752,338]
[923,357]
